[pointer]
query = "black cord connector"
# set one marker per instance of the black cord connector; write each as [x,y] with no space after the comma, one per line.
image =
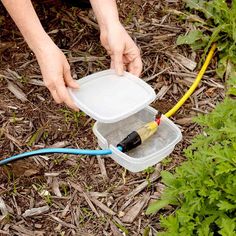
[133,140]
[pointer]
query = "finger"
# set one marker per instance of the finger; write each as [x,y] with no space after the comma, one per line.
[118,62]
[135,66]
[64,95]
[112,65]
[49,84]
[55,96]
[68,78]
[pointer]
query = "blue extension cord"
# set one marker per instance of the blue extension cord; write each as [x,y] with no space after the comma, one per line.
[57,150]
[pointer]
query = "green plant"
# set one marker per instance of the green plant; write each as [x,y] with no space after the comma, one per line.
[72,116]
[148,171]
[122,228]
[204,187]
[218,24]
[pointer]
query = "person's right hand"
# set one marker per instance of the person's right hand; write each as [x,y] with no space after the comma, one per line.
[56,73]
[122,49]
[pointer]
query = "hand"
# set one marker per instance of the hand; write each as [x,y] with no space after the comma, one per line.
[54,66]
[122,49]
[56,74]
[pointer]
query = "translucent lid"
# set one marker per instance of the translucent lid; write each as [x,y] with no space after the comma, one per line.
[109,98]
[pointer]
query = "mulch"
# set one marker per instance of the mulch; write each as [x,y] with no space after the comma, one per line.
[70,195]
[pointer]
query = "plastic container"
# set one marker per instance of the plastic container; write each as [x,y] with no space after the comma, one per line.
[109,98]
[150,152]
[120,105]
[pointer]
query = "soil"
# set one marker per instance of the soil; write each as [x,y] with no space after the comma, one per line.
[89,195]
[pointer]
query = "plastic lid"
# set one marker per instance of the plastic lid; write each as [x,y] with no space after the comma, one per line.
[109,98]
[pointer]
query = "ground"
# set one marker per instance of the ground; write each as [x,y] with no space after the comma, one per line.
[89,195]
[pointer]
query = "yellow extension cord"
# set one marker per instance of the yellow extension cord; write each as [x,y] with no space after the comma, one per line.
[195,83]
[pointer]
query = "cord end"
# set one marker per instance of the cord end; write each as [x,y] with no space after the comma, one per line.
[158,118]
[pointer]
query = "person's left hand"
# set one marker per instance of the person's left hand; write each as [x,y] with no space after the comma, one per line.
[122,49]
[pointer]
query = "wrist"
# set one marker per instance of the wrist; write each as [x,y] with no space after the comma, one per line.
[104,28]
[106,13]
[40,45]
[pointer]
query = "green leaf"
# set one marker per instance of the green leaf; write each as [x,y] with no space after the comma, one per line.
[146,231]
[227,227]
[224,167]
[205,226]
[35,137]
[221,68]
[232,91]
[157,205]
[200,6]
[190,38]
[172,224]
[226,206]
[122,228]
[167,177]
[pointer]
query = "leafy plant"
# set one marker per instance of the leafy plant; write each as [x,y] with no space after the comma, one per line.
[204,187]
[72,116]
[217,24]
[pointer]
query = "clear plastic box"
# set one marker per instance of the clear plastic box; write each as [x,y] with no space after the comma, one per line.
[150,152]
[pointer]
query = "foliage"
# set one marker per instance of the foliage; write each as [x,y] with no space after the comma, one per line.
[217,24]
[204,187]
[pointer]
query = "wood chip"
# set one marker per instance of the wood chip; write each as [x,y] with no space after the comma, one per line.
[102,167]
[143,185]
[62,222]
[60,144]
[102,206]
[155,75]
[140,187]
[13,74]
[18,209]
[24,231]
[64,212]
[86,59]
[36,82]
[162,92]
[3,232]
[35,211]
[3,209]
[134,211]
[184,121]
[172,28]
[164,37]
[31,172]
[186,62]
[13,139]
[55,174]
[87,198]
[97,194]
[88,21]
[17,91]
[200,90]
[55,187]
[77,187]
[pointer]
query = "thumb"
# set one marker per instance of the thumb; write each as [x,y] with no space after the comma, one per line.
[118,62]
